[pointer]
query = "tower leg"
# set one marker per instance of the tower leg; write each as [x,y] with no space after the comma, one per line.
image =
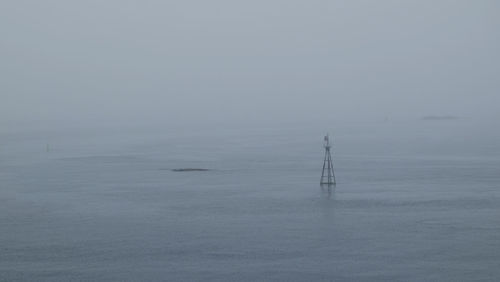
[324,166]
[332,171]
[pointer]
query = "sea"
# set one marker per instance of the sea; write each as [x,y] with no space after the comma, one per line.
[414,201]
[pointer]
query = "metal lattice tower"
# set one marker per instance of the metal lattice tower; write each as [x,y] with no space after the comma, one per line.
[328,177]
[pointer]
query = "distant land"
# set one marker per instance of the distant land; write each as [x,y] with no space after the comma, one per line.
[439,117]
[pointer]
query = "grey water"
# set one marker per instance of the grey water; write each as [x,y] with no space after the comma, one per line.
[105,205]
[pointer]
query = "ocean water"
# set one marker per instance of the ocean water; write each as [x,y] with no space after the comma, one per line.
[105,206]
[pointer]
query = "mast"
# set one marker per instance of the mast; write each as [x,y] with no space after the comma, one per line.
[328,178]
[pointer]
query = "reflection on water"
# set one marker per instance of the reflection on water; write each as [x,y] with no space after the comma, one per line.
[328,191]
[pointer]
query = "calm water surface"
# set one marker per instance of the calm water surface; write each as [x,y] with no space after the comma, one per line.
[109,209]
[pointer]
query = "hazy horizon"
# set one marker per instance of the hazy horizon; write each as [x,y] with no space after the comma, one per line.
[117,63]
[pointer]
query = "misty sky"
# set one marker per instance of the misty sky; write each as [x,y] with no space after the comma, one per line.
[118,62]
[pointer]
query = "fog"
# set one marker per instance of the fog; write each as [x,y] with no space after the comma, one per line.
[185,63]
[182,140]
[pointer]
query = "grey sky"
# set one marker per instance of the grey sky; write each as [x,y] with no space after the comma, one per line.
[121,61]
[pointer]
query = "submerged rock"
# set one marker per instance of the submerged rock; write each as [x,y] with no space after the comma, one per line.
[189,169]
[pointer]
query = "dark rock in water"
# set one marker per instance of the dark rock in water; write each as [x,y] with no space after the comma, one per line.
[190,169]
